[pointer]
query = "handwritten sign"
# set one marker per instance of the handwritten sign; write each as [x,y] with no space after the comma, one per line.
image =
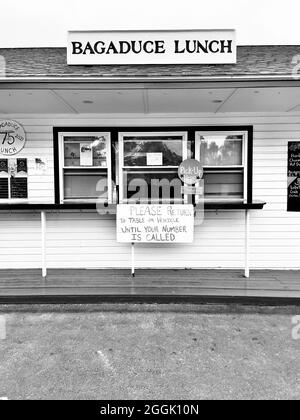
[155,223]
[294,176]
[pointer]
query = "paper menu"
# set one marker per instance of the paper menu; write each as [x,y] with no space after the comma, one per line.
[86,154]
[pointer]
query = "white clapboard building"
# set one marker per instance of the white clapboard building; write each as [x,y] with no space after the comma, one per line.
[90,122]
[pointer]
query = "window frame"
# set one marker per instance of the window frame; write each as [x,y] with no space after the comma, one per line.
[247,193]
[153,133]
[114,137]
[61,162]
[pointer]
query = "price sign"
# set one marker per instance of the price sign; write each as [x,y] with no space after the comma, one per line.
[12,137]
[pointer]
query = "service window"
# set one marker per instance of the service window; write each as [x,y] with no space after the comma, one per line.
[13,179]
[148,166]
[85,167]
[224,159]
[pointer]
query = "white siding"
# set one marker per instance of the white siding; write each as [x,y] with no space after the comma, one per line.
[84,239]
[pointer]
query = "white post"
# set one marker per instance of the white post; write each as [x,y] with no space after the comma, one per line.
[43,223]
[132,259]
[247,238]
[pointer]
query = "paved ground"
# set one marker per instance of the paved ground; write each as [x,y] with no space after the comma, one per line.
[149,352]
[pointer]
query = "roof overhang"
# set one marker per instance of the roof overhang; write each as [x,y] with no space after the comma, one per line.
[148,97]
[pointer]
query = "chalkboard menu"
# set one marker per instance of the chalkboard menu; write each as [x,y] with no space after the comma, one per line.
[18,188]
[294,176]
[3,188]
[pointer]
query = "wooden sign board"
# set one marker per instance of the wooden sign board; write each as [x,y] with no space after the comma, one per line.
[199,46]
[155,223]
[293,199]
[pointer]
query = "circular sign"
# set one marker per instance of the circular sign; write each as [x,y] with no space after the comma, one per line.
[12,137]
[190,171]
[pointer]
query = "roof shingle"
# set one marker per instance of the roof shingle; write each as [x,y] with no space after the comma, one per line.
[252,61]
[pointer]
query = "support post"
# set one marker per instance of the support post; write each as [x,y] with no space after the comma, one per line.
[43,224]
[132,260]
[247,241]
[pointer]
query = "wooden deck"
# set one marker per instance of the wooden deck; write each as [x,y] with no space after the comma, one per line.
[198,285]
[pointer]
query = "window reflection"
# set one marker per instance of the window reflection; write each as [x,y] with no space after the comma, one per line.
[136,150]
[221,150]
[85,151]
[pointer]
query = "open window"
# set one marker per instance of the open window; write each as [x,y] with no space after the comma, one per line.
[223,155]
[85,167]
[148,166]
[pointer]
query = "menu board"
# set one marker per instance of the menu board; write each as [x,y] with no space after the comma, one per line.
[155,223]
[293,176]
[18,188]
[3,188]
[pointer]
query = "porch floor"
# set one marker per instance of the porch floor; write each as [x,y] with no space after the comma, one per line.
[96,285]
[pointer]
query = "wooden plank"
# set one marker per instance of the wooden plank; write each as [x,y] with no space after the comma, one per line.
[150,282]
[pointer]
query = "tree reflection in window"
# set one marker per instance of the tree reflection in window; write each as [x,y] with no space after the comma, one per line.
[221,151]
[135,150]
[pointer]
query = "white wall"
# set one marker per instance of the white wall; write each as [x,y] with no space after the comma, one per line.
[84,239]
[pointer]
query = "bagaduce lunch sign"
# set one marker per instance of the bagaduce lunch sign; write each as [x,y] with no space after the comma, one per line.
[155,223]
[12,137]
[151,47]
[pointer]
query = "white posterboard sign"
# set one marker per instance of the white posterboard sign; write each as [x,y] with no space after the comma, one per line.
[155,223]
[154,159]
[86,154]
